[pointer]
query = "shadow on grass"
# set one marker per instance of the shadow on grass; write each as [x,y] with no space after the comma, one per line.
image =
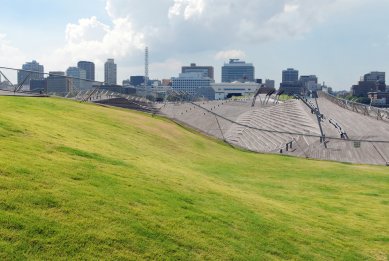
[90,155]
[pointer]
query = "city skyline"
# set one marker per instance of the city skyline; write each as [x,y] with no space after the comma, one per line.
[338,40]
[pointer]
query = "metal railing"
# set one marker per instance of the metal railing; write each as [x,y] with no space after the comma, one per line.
[367,110]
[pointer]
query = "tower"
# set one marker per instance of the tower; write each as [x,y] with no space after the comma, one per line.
[89,67]
[110,72]
[146,66]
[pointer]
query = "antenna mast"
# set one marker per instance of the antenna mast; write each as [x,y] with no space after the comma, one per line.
[146,67]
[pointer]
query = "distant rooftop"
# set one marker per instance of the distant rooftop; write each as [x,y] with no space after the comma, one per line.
[234,62]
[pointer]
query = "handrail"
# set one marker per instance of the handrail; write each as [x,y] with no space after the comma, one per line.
[367,110]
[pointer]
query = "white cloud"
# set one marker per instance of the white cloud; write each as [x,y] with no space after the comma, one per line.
[190,26]
[230,54]
[87,29]
[10,56]
[187,8]
[217,21]
[290,8]
[93,40]
[177,28]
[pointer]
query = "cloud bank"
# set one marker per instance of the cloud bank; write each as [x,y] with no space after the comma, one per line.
[177,28]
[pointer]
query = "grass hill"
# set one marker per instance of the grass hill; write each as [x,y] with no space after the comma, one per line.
[80,181]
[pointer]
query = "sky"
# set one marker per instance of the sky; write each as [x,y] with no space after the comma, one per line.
[338,40]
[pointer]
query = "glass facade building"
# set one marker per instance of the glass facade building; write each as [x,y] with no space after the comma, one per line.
[77,78]
[137,80]
[238,71]
[374,77]
[57,83]
[207,71]
[24,77]
[290,82]
[191,82]
[290,75]
[89,67]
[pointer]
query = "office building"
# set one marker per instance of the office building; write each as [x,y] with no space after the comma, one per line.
[58,83]
[291,88]
[24,77]
[228,90]
[290,82]
[110,72]
[309,82]
[137,80]
[38,85]
[374,77]
[207,71]
[364,87]
[190,82]
[126,83]
[308,78]
[89,68]
[270,84]
[371,82]
[290,75]
[239,71]
[77,78]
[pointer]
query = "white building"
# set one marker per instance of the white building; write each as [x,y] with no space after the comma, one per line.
[191,82]
[227,90]
[110,72]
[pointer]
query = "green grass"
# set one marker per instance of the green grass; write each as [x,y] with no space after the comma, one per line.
[79,181]
[285,97]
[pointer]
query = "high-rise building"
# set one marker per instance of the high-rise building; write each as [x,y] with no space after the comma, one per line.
[363,88]
[374,77]
[290,75]
[309,82]
[78,77]
[24,77]
[239,71]
[372,82]
[270,83]
[89,68]
[207,71]
[110,72]
[58,83]
[290,82]
[191,82]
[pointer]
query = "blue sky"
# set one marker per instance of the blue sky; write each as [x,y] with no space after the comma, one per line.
[338,40]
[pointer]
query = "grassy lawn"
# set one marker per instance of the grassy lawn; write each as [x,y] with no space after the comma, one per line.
[285,97]
[79,181]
